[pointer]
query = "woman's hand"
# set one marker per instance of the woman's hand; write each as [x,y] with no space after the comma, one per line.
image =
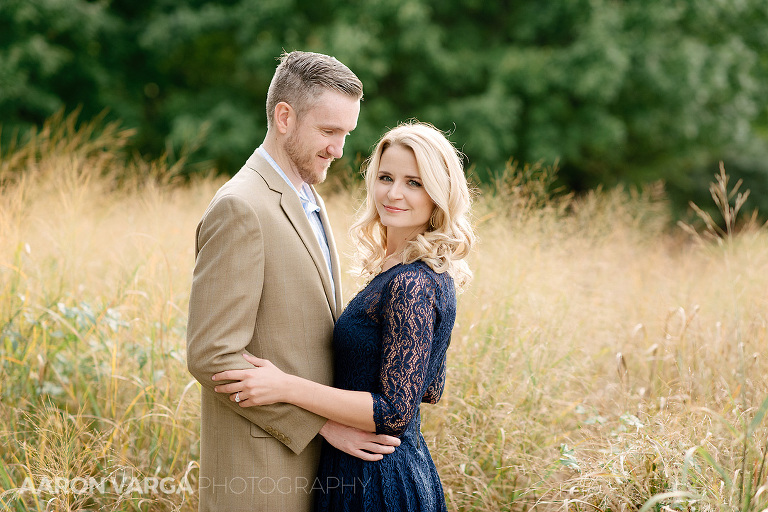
[263,385]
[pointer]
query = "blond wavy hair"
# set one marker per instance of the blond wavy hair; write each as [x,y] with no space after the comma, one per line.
[449,236]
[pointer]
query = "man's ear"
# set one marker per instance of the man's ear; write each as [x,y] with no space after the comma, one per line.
[285,117]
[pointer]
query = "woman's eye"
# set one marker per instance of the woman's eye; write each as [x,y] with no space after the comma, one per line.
[385,178]
[414,183]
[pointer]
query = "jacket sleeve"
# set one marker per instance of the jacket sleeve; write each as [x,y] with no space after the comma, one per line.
[225,296]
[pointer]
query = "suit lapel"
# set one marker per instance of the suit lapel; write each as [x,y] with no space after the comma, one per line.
[291,205]
[335,264]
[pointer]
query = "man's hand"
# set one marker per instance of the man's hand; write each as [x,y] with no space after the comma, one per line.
[358,443]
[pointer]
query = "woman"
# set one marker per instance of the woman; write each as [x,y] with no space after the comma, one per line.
[390,343]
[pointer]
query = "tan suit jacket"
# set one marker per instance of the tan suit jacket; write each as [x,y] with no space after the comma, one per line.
[260,285]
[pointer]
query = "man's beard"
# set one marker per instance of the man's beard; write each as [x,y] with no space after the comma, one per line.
[303,162]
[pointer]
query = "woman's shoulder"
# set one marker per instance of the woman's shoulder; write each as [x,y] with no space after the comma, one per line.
[420,273]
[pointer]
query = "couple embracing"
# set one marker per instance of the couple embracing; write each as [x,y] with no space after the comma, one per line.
[307,405]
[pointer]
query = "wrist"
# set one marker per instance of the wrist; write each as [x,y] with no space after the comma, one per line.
[325,428]
[292,389]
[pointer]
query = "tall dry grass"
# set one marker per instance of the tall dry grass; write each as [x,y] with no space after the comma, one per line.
[601,359]
[95,258]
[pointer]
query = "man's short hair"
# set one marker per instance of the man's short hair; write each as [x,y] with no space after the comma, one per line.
[301,77]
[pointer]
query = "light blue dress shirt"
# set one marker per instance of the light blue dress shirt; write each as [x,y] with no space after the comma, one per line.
[311,210]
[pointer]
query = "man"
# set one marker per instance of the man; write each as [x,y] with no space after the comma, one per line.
[267,282]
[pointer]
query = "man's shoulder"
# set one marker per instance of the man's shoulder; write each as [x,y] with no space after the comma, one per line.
[245,180]
[246,191]
[248,183]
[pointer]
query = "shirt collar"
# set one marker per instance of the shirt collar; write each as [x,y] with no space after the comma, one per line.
[305,193]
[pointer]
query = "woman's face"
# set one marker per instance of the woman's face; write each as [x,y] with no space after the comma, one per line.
[401,200]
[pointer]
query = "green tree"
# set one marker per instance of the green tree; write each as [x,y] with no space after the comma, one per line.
[627,91]
[50,59]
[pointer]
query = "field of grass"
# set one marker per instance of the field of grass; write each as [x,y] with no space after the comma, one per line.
[603,358]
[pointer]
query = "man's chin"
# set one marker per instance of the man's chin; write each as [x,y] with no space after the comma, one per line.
[316,177]
[321,177]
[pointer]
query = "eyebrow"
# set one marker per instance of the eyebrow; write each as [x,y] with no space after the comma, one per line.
[411,176]
[335,128]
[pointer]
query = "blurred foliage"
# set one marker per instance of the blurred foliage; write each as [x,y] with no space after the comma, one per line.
[616,92]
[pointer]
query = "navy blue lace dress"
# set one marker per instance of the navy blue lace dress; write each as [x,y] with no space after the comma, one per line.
[391,340]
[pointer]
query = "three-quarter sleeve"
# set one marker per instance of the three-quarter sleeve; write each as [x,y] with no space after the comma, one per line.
[409,312]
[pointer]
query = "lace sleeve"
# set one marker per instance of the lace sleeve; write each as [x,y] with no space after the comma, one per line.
[435,389]
[408,323]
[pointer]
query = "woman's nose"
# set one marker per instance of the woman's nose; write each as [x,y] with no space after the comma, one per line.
[395,191]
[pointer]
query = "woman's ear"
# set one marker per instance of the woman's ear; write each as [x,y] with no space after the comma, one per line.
[285,116]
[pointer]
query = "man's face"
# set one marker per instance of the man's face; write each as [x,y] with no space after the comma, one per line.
[319,134]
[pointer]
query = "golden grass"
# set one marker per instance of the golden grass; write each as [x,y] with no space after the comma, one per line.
[600,360]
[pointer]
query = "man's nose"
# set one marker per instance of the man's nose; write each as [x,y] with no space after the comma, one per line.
[336,148]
